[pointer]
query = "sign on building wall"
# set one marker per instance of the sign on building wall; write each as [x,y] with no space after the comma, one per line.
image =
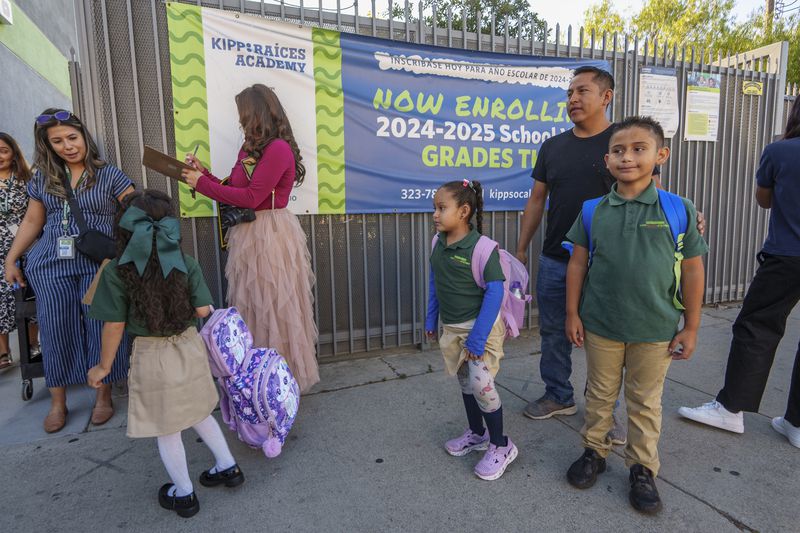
[380,124]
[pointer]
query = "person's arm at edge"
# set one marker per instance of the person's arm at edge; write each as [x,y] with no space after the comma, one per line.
[764,196]
[692,287]
[111,337]
[576,274]
[531,218]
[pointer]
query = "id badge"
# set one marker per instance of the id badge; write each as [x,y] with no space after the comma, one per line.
[66,248]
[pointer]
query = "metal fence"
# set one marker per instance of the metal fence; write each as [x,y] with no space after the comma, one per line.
[372,269]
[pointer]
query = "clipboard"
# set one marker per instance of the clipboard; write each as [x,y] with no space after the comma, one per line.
[163,163]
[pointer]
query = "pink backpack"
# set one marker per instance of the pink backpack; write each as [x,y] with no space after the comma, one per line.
[515,297]
[259,396]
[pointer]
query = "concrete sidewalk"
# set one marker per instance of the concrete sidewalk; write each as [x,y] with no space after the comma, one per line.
[366,455]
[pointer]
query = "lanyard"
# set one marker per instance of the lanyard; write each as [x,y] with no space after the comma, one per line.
[65,214]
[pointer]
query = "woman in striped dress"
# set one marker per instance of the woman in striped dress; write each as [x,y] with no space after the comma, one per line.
[59,273]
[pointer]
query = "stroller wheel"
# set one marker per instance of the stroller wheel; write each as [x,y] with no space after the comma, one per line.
[27,390]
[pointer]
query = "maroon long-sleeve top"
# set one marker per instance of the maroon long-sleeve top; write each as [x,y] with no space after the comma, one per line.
[273,172]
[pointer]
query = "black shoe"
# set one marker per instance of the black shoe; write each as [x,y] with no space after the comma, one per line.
[232,477]
[186,506]
[583,472]
[644,495]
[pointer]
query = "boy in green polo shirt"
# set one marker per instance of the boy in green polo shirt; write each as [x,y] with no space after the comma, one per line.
[624,310]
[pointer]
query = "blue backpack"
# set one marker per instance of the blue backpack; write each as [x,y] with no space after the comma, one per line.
[675,213]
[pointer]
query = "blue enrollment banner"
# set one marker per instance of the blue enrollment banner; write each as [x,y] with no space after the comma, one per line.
[418,116]
[380,124]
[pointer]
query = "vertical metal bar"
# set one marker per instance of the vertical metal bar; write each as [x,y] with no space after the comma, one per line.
[519,36]
[374,21]
[349,283]
[544,40]
[319,12]
[162,116]
[505,34]
[434,16]
[491,35]
[333,283]
[464,26]
[136,102]
[614,69]
[366,276]
[421,27]
[449,26]
[391,19]
[569,40]
[478,33]
[752,214]
[558,39]
[406,16]
[397,274]
[712,210]
[110,76]
[302,11]
[412,257]
[626,82]
[339,15]
[357,24]
[635,75]
[383,282]
[728,259]
[315,269]
[283,9]
[681,146]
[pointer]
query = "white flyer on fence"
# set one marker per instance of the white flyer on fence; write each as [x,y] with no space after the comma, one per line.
[702,106]
[658,97]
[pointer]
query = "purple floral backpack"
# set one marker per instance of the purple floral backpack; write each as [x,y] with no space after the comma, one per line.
[260,397]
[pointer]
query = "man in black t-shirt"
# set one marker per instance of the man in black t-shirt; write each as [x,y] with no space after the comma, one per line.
[570,169]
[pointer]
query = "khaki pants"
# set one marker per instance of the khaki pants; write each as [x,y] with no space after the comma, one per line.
[645,365]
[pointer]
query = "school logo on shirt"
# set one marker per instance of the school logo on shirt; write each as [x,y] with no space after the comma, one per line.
[654,224]
[460,260]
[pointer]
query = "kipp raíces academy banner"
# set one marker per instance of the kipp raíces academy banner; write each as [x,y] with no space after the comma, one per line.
[380,124]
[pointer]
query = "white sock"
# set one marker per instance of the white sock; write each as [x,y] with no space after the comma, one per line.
[212,435]
[174,458]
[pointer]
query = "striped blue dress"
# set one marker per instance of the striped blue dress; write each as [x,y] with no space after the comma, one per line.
[70,340]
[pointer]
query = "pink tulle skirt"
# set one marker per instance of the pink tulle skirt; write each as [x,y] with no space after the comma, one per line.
[271,283]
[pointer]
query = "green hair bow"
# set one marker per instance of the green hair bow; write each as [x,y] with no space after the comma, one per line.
[168,234]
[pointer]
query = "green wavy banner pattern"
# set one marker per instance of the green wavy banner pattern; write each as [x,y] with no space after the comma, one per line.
[330,121]
[189,98]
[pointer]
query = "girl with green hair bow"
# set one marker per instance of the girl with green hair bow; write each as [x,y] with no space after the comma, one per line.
[156,293]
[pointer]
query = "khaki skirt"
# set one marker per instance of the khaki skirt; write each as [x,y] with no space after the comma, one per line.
[170,386]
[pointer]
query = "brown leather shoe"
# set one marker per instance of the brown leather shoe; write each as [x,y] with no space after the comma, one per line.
[55,420]
[102,414]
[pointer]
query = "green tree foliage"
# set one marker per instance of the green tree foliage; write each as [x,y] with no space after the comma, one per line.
[517,13]
[704,24]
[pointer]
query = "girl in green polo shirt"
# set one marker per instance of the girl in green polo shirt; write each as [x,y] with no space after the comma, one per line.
[156,293]
[472,340]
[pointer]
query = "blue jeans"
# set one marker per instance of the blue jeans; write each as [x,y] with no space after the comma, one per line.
[556,363]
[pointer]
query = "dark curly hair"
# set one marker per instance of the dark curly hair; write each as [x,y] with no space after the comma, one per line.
[164,306]
[472,195]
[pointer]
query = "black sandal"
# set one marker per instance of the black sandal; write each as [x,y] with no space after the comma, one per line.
[5,360]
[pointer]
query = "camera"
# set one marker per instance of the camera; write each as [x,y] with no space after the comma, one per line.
[230,216]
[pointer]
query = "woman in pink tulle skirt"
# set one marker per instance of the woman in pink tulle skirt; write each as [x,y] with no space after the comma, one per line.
[269,266]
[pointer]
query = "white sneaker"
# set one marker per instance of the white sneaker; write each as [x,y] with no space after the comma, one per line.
[715,414]
[786,429]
